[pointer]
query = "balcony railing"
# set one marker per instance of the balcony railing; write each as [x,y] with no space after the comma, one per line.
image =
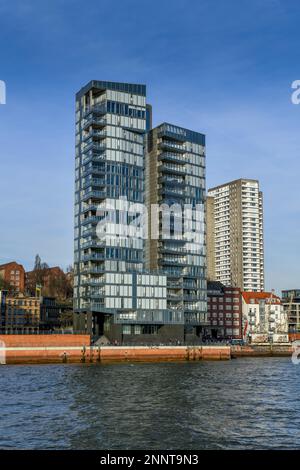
[98,110]
[93,120]
[93,194]
[94,135]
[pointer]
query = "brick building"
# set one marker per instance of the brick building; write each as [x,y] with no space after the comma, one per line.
[13,274]
[21,312]
[224,309]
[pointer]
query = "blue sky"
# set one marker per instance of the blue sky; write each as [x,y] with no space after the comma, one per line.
[221,67]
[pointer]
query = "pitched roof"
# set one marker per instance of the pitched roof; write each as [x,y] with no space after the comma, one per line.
[6,265]
[255,297]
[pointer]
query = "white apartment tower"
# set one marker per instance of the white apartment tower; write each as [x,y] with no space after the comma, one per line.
[235,247]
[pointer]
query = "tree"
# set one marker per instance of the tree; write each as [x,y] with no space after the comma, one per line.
[59,286]
[37,276]
[66,317]
[5,285]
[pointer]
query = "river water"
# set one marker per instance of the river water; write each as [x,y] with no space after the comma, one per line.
[243,403]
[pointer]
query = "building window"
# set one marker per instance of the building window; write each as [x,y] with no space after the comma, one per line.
[137,329]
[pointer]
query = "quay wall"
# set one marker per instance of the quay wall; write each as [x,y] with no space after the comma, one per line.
[29,349]
[262,350]
[294,337]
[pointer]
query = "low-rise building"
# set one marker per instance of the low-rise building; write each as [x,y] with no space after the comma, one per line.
[3,295]
[291,305]
[55,315]
[21,313]
[224,309]
[13,274]
[263,314]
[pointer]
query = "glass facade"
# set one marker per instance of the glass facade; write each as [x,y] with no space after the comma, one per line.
[115,287]
[110,128]
[175,183]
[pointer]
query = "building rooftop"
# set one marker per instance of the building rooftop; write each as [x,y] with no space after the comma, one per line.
[181,133]
[249,297]
[247,180]
[133,88]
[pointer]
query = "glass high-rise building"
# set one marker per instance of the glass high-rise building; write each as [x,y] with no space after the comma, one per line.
[175,181]
[113,295]
[117,292]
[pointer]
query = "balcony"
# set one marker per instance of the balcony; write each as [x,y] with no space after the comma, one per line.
[97,110]
[191,297]
[88,232]
[176,250]
[174,284]
[93,282]
[93,182]
[90,207]
[94,170]
[95,134]
[94,146]
[174,297]
[88,194]
[166,145]
[171,261]
[172,192]
[172,170]
[93,257]
[93,269]
[171,157]
[91,156]
[171,181]
[94,219]
[93,120]
[93,244]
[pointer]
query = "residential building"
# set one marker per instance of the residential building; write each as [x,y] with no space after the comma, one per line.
[13,274]
[117,292]
[210,238]
[235,235]
[291,305]
[224,310]
[263,314]
[111,123]
[22,314]
[175,187]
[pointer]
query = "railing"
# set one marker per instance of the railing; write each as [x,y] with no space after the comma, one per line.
[172,157]
[96,109]
[92,120]
[93,194]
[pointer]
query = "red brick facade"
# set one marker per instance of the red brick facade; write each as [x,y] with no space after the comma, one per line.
[14,274]
[224,306]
